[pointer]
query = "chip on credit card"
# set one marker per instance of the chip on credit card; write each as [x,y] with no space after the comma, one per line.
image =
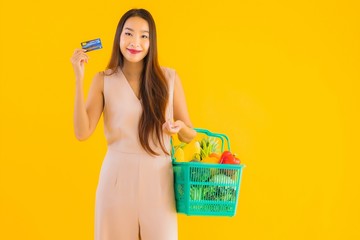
[91,45]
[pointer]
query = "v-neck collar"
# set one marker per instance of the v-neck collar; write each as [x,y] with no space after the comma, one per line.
[129,86]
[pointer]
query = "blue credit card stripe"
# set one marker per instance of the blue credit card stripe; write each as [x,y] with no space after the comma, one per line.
[92,45]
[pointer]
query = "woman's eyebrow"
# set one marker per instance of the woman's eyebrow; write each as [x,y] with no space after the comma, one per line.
[130,29]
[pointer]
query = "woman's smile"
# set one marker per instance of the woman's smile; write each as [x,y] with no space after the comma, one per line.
[134,51]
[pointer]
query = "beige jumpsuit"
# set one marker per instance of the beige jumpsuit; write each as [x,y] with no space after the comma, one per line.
[134,195]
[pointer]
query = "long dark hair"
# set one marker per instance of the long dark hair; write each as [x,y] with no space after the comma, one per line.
[154,91]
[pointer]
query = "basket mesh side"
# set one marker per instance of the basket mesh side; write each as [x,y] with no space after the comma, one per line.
[207,190]
[212,209]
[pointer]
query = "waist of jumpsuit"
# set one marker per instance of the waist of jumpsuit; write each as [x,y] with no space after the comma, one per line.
[128,147]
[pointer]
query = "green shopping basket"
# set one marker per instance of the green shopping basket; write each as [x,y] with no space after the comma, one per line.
[206,189]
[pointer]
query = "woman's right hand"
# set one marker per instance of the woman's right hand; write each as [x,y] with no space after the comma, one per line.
[78,60]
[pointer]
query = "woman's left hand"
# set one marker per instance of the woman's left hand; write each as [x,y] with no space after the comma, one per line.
[170,127]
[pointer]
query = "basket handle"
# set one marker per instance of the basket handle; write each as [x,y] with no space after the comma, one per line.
[219,135]
[208,133]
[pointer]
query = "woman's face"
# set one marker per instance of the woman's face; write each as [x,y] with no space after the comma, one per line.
[134,39]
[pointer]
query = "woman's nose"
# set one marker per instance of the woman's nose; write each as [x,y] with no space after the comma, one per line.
[135,42]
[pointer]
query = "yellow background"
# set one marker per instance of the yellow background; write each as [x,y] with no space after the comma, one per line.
[280,78]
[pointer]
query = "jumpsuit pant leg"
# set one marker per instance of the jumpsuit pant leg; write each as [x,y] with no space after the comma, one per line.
[116,208]
[157,215]
[134,197]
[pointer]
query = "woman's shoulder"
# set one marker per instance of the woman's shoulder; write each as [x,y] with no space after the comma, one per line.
[169,72]
[109,71]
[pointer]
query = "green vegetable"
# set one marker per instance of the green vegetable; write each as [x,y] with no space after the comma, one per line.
[208,145]
[221,178]
[224,191]
[196,193]
[199,174]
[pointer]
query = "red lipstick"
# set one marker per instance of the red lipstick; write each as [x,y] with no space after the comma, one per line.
[133,51]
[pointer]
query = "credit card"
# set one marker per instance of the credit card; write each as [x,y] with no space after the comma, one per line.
[91,45]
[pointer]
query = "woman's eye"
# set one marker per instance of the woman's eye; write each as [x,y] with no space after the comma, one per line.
[145,36]
[127,34]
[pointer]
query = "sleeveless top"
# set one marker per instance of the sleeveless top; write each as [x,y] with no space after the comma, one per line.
[122,112]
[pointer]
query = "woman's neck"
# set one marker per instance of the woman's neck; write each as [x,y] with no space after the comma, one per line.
[133,70]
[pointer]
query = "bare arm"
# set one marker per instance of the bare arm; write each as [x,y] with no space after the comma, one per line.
[86,115]
[181,114]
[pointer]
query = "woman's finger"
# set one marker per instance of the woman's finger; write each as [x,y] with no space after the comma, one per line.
[174,129]
[79,58]
[78,52]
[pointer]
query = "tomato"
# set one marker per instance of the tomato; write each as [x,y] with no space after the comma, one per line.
[228,158]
